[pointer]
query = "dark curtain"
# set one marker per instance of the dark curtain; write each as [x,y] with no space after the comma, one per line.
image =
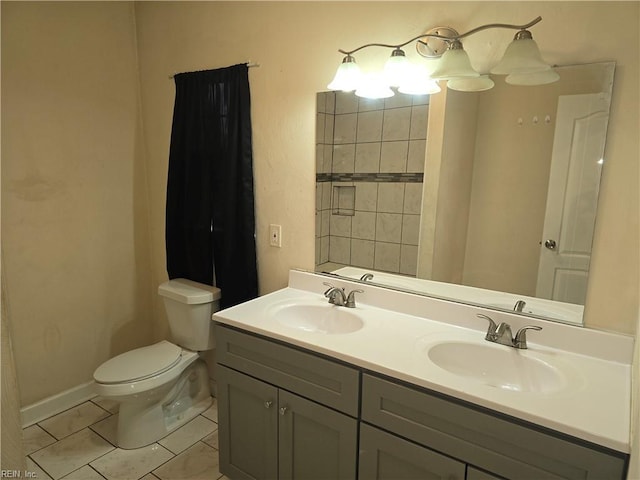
[210,223]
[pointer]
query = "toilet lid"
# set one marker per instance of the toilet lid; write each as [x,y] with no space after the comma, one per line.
[139,364]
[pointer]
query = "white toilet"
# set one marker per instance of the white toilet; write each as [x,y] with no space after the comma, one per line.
[163,386]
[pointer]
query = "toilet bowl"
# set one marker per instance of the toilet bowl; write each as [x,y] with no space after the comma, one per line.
[162,386]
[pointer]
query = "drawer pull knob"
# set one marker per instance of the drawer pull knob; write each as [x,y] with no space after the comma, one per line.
[268,404]
[283,410]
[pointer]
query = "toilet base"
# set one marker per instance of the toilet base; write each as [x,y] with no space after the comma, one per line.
[153,415]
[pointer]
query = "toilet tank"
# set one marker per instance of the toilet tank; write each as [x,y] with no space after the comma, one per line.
[189,306]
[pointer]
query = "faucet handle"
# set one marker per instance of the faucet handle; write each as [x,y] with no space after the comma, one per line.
[491,331]
[351,299]
[331,287]
[520,340]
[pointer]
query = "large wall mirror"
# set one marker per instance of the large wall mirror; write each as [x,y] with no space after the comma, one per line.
[487,198]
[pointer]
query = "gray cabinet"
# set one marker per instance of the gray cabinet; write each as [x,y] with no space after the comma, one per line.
[286,413]
[267,430]
[482,439]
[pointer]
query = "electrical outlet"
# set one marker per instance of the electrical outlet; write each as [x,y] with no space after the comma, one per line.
[275,235]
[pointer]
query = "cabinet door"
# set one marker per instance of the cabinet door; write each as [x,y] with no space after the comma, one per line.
[248,426]
[386,457]
[315,442]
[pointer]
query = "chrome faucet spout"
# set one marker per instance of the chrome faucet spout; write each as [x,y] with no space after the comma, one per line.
[338,297]
[335,295]
[503,335]
[519,306]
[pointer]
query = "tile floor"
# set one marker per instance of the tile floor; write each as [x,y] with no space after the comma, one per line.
[79,444]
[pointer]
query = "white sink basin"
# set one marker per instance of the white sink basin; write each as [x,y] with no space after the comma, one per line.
[497,366]
[322,318]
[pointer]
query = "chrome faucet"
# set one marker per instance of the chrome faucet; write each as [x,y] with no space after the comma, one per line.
[519,306]
[502,333]
[337,296]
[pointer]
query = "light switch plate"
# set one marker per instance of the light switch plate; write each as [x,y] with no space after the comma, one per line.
[275,235]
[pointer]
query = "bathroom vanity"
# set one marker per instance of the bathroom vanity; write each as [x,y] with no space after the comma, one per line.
[360,393]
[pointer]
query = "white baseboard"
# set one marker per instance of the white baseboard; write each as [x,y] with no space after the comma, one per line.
[47,407]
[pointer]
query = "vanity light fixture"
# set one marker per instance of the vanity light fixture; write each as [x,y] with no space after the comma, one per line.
[418,81]
[521,63]
[533,78]
[348,77]
[397,68]
[471,84]
[374,85]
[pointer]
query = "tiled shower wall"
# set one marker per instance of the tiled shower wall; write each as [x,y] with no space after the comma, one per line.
[378,147]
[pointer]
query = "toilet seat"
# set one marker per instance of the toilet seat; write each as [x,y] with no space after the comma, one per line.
[139,364]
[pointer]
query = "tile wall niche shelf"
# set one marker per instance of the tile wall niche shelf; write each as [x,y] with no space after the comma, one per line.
[343,201]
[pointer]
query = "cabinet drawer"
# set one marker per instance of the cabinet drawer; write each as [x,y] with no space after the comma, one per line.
[322,380]
[479,438]
[387,457]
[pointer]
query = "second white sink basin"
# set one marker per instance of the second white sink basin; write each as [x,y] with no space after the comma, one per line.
[323,318]
[497,366]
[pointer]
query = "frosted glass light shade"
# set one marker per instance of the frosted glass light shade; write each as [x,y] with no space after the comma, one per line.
[348,76]
[396,68]
[521,56]
[535,78]
[427,87]
[374,85]
[454,63]
[471,84]
[418,82]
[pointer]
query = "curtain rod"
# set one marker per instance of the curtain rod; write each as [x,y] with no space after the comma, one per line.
[249,65]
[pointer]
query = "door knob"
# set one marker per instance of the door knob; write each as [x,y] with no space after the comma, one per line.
[550,244]
[268,404]
[283,410]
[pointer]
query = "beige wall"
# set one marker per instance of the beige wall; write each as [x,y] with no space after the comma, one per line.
[83,240]
[296,45]
[74,208]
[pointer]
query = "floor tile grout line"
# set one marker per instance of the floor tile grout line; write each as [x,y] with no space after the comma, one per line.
[100,406]
[99,434]
[115,447]
[175,456]
[163,463]
[122,449]
[43,428]
[45,446]
[82,466]
[102,476]
[40,466]
[67,410]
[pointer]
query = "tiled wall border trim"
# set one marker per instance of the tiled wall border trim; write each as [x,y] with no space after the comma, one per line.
[370,177]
